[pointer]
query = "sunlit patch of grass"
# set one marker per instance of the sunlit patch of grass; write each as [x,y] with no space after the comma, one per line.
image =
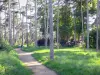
[31,48]
[70,61]
[11,65]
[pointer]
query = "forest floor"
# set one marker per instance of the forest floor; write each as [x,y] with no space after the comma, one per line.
[32,64]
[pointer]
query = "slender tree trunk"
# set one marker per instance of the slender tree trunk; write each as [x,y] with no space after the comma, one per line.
[13,27]
[45,22]
[82,22]
[35,23]
[10,29]
[51,30]
[58,25]
[87,25]
[97,35]
[22,30]
[0,27]
[74,29]
[47,11]
[5,35]
[27,27]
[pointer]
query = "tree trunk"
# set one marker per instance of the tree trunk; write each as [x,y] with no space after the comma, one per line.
[13,27]
[97,35]
[0,27]
[87,25]
[58,25]
[45,22]
[51,30]
[35,23]
[82,22]
[22,30]
[10,29]
[75,29]
[27,41]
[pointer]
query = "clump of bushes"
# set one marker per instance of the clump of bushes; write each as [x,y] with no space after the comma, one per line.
[4,46]
[92,38]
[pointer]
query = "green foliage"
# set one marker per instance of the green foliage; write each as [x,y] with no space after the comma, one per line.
[5,46]
[92,38]
[11,65]
[71,61]
[9,61]
[65,22]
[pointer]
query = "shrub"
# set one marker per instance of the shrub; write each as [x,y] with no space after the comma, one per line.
[4,46]
[92,38]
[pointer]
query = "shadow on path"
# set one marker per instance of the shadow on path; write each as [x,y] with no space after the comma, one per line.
[32,64]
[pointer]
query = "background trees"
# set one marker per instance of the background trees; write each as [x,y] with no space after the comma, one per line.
[67,20]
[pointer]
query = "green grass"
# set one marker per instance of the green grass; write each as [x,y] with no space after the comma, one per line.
[32,48]
[11,65]
[70,61]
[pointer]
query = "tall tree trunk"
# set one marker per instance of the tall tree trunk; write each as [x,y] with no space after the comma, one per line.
[26,28]
[82,22]
[35,23]
[47,11]
[22,24]
[87,25]
[97,35]
[10,29]
[51,30]
[13,27]
[75,29]
[45,22]
[58,25]
[0,27]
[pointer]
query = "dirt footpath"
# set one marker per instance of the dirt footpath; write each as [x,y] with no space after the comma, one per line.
[32,64]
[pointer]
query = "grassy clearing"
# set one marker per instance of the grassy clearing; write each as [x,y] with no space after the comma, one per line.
[70,61]
[11,65]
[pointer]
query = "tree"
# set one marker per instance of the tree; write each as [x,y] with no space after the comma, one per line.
[87,25]
[35,23]
[10,30]
[82,22]
[97,35]
[51,30]
[58,25]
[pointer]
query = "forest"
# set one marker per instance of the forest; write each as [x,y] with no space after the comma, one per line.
[62,35]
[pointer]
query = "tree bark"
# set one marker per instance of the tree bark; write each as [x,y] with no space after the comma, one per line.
[58,25]
[45,22]
[10,29]
[82,22]
[35,23]
[27,41]
[51,30]
[97,34]
[87,25]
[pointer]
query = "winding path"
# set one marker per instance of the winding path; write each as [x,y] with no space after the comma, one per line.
[32,64]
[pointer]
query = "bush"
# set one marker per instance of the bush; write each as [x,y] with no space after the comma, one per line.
[4,46]
[92,38]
